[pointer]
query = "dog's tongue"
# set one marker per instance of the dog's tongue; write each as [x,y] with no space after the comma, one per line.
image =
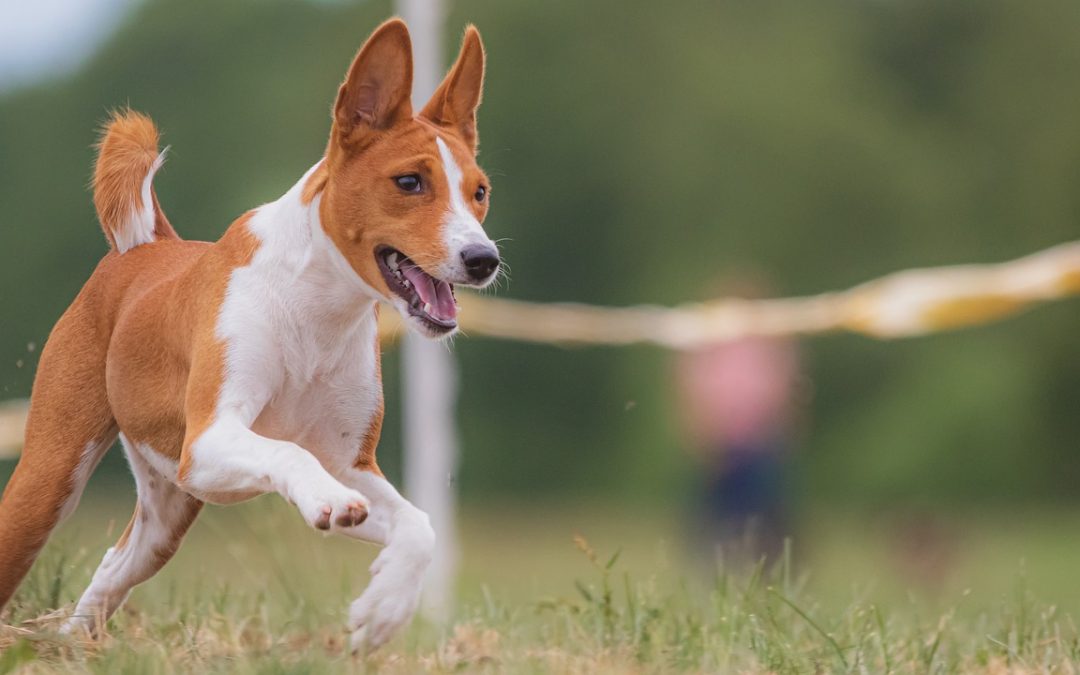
[445,306]
[433,292]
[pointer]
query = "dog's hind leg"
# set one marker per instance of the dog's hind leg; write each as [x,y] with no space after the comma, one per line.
[162,516]
[68,429]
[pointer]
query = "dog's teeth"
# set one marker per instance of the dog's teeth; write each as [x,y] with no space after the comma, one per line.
[392,261]
[427,308]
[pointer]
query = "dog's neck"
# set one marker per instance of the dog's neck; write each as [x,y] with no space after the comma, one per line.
[321,299]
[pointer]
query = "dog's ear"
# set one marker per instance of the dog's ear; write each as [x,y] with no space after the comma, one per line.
[377,91]
[455,102]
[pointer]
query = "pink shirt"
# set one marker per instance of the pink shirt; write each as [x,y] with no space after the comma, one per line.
[738,392]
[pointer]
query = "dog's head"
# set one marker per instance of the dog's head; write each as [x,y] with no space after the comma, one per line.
[402,196]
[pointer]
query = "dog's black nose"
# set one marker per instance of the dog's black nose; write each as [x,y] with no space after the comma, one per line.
[480,261]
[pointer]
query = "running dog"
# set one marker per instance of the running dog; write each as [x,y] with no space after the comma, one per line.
[251,364]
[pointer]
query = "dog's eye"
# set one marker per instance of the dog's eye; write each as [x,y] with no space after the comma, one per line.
[410,182]
[481,194]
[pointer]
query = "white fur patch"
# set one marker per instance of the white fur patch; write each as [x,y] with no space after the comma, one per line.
[163,511]
[139,228]
[460,226]
[299,325]
[391,599]
[166,466]
[91,457]
[299,329]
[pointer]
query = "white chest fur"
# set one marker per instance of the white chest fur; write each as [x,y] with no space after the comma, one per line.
[329,409]
[300,328]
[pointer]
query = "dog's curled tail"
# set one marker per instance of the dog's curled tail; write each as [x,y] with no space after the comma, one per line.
[124,196]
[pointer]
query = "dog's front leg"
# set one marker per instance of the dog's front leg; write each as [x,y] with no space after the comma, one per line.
[223,460]
[391,598]
[229,461]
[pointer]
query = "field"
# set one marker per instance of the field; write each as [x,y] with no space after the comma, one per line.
[577,588]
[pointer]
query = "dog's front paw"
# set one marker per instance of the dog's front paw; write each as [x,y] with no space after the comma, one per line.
[391,598]
[341,508]
[378,614]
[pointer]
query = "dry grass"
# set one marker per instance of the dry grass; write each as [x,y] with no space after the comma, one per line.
[252,593]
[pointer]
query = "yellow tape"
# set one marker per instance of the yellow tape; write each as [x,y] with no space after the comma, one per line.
[912,302]
[12,423]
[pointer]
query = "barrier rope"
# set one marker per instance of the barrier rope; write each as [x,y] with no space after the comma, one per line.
[12,423]
[903,304]
[907,303]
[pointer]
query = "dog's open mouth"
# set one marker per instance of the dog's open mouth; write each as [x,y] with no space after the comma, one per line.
[429,299]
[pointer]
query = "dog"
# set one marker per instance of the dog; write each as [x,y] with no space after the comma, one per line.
[251,364]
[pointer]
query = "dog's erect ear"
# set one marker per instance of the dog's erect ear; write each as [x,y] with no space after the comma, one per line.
[377,91]
[454,103]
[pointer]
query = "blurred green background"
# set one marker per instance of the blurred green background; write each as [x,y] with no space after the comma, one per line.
[638,151]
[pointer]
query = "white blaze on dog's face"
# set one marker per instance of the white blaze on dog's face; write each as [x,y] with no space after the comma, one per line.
[402,196]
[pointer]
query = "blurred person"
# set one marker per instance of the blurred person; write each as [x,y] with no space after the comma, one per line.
[738,399]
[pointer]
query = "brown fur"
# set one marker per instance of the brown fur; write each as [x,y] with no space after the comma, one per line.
[365,459]
[123,353]
[126,534]
[126,150]
[376,137]
[453,105]
[315,184]
[69,409]
[208,362]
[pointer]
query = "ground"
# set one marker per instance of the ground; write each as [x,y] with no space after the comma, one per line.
[579,588]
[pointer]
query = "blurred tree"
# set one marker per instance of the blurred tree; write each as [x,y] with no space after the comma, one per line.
[637,148]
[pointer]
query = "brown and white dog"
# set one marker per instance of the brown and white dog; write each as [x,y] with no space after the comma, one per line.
[251,365]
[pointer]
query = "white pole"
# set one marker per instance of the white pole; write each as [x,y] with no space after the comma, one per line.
[429,374]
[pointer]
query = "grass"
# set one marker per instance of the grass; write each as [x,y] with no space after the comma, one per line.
[254,591]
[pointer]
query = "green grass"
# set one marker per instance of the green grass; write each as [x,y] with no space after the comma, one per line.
[254,591]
